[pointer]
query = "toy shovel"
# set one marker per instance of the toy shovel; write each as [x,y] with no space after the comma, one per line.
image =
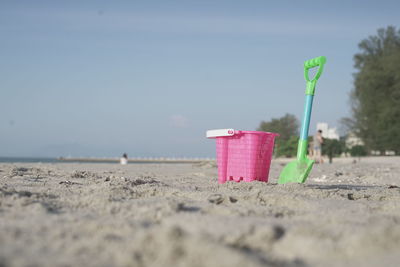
[297,171]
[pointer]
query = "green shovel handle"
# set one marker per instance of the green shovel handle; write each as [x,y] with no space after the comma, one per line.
[309,64]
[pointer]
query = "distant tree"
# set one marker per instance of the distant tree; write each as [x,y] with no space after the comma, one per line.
[288,148]
[358,151]
[375,98]
[332,148]
[288,129]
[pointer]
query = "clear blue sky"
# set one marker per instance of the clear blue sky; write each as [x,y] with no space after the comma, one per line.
[99,78]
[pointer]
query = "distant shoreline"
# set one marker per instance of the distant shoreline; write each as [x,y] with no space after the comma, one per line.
[136,160]
[171,160]
[100,160]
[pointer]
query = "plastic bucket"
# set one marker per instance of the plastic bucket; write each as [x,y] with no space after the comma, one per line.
[243,155]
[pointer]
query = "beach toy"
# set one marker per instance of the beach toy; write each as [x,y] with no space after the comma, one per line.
[243,155]
[297,171]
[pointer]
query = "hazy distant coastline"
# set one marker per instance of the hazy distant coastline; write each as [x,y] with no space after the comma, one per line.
[101,160]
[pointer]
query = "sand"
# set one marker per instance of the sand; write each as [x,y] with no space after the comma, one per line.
[64,214]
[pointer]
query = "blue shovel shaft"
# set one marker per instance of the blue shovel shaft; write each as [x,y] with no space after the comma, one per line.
[306,117]
[303,141]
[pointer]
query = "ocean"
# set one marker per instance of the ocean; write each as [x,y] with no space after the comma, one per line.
[100,160]
[52,160]
[27,160]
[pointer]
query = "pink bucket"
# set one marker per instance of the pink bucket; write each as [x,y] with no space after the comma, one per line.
[243,155]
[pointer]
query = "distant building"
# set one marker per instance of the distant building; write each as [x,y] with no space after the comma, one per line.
[330,133]
[353,140]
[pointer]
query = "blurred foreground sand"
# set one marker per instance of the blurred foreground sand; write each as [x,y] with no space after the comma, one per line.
[68,214]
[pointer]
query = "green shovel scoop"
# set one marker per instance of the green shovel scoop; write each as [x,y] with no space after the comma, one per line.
[297,171]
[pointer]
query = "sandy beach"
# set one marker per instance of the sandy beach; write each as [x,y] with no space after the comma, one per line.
[68,214]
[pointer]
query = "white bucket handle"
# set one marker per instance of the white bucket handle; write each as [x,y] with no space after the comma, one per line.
[220,133]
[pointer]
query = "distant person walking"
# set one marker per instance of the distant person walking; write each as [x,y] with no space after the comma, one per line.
[317,144]
[124,159]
